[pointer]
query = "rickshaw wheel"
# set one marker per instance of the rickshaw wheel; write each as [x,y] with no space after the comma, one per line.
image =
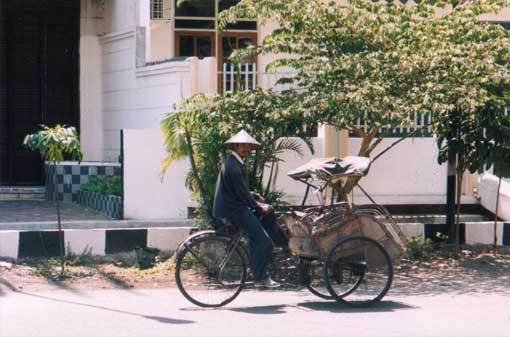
[313,278]
[358,271]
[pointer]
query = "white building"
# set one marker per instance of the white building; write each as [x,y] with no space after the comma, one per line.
[112,65]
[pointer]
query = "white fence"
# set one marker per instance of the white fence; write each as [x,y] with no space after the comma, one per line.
[247,76]
[238,78]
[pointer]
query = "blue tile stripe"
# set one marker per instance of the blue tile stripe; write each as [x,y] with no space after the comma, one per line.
[106,204]
[71,176]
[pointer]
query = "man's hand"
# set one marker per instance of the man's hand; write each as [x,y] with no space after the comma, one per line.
[265,208]
[257,197]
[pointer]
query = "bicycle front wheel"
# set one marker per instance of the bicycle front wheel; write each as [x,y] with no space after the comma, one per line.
[358,271]
[210,271]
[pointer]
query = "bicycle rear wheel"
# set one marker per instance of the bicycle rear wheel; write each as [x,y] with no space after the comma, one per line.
[358,271]
[209,271]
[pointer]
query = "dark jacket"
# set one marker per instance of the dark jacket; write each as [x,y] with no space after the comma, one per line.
[232,195]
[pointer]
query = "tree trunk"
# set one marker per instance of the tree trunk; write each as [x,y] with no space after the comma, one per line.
[460,173]
[197,177]
[60,232]
[496,216]
[450,196]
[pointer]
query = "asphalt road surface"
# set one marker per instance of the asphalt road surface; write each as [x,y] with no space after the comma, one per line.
[164,312]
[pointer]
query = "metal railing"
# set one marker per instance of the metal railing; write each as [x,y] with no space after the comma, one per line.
[245,76]
[415,120]
[237,78]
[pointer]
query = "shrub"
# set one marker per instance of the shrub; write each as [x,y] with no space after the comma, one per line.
[420,249]
[110,185]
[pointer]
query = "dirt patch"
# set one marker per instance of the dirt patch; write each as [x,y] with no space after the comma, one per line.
[471,271]
[474,270]
[116,271]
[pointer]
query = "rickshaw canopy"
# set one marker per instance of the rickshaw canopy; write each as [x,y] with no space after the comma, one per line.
[332,167]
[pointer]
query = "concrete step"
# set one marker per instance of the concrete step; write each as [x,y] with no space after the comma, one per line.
[22,193]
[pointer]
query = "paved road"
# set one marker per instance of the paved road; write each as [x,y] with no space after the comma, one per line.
[164,312]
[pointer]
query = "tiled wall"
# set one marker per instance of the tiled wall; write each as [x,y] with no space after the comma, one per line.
[110,205]
[70,175]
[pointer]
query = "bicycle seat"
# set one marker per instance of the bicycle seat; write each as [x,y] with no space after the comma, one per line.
[225,226]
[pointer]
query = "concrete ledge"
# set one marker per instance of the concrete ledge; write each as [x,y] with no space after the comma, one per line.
[412,229]
[94,224]
[9,242]
[15,244]
[488,195]
[483,233]
[77,241]
[166,239]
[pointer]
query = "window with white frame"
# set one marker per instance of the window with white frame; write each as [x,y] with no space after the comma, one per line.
[156,9]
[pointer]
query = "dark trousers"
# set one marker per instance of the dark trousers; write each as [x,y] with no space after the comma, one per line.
[261,245]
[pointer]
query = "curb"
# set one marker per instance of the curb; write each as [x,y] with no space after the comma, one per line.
[101,241]
[19,244]
[479,232]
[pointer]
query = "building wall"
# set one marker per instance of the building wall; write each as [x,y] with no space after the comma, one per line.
[408,173]
[132,94]
[148,195]
[91,114]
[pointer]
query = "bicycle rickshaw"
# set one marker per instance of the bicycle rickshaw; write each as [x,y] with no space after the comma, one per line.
[344,251]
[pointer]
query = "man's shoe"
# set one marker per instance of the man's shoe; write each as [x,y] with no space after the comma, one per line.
[267,283]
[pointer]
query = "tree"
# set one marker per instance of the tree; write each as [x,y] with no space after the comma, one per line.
[53,144]
[499,156]
[382,62]
[198,126]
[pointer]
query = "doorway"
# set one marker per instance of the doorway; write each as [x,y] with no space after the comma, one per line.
[39,79]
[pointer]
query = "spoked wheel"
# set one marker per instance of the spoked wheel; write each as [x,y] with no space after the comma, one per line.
[312,273]
[209,272]
[358,271]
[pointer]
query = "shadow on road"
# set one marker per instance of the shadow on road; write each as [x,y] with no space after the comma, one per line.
[264,309]
[6,284]
[110,277]
[383,306]
[160,319]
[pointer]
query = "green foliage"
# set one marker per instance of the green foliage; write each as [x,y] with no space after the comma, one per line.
[55,143]
[83,259]
[198,127]
[380,61]
[146,257]
[419,249]
[109,185]
[500,154]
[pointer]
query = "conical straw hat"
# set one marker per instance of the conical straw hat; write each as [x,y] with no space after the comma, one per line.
[242,137]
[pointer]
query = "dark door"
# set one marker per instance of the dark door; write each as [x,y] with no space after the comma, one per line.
[40,74]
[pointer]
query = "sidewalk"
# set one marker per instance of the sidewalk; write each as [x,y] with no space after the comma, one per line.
[15,211]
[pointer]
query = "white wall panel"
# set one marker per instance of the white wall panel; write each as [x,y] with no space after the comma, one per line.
[145,195]
[409,170]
